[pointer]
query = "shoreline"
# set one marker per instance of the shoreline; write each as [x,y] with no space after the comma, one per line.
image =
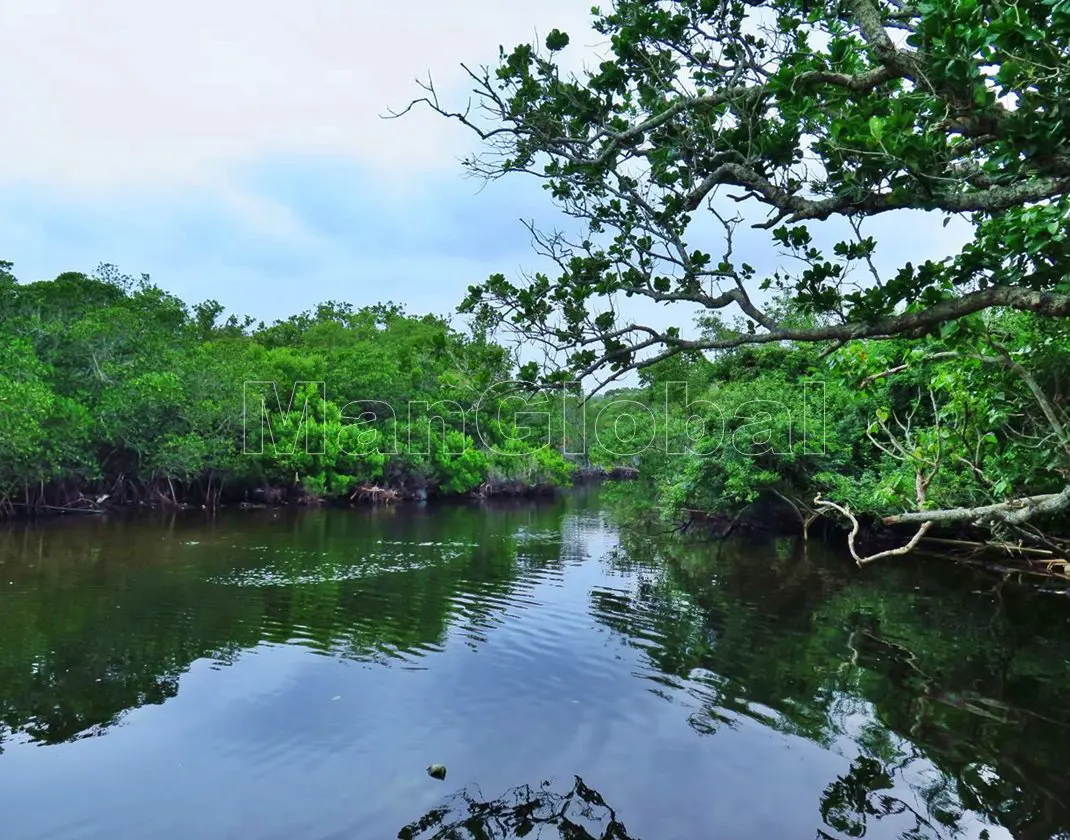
[274,497]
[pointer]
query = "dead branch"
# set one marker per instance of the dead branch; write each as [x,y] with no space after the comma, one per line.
[845,511]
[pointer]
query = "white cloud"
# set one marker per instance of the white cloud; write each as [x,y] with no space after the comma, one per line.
[122,93]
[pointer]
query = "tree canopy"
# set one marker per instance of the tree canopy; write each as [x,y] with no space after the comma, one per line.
[114,389]
[806,119]
[819,124]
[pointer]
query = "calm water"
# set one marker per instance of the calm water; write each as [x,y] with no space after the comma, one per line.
[286,675]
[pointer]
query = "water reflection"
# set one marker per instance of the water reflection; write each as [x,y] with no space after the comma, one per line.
[708,690]
[577,814]
[99,619]
[942,688]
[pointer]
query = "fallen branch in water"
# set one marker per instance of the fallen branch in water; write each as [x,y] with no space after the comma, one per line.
[35,506]
[1010,548]
[855,528]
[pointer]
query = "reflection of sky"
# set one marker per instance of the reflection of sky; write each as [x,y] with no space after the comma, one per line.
[289,744]
[261,749]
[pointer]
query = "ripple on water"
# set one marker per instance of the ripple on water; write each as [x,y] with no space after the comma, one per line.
[325,660]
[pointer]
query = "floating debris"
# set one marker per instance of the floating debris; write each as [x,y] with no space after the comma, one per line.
[437,771]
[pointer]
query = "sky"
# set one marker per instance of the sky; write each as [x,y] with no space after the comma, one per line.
[237,150]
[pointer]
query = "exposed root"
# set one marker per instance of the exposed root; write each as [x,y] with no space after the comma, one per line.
[375,494]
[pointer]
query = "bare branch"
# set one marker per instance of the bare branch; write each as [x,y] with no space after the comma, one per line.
[1014,512]
[845,511]
[1013,297]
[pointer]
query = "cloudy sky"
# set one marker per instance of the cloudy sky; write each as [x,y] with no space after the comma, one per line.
[236,151]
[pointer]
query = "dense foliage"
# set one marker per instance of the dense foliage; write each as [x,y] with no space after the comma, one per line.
[886,432]
[807,119]
[111,386]
[810,120]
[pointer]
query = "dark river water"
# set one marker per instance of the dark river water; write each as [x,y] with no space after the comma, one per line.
[292,675]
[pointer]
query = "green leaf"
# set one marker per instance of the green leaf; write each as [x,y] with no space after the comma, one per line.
[556,40]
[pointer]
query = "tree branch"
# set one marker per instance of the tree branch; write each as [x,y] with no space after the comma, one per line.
[1014,512]
[855,527]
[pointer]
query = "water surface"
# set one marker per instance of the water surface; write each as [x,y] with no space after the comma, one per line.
[291,675]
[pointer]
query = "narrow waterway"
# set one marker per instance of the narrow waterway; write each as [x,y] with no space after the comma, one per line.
[292,674]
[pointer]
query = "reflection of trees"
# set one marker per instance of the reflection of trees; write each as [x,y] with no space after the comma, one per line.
[578,814]
[963,695]
[863,794]
[108,618]
[954,701]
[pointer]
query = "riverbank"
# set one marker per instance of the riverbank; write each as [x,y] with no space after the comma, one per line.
[213,493]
